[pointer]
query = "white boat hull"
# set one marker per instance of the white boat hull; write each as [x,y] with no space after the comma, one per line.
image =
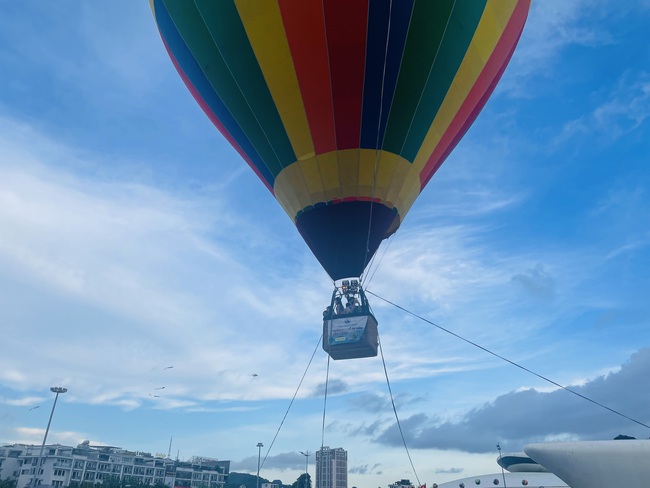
[596,464]
[512,480]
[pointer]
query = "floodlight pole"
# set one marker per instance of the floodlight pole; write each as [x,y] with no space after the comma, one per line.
[58,390]
[306,454]
[259,455]
[503,474]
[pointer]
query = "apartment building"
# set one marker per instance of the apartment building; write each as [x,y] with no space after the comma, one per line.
[61,465]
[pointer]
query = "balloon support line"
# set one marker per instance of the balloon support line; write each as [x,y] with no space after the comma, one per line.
[372,268]
[510,361]
[399,425]
[327,379]
[291,402]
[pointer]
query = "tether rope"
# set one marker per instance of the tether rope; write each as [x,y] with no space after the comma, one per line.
[372,268]
[510,361]
[327,378]
[399,425]
[291,402]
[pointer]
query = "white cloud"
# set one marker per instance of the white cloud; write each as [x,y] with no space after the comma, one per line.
[28,435]
[22,402]
[124,256]
[552,26]
[621,111]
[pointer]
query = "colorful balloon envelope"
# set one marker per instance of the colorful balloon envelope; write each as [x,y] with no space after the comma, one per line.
[344,109]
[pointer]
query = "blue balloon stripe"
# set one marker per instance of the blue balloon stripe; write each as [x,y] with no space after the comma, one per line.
[201,84]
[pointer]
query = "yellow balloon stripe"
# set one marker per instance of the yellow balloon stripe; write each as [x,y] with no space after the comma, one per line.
[319,179]
[493,22]
[329,170]
[263,23]
[367,161]
[348,162]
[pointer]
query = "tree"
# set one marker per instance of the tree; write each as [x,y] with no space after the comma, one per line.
[112,482]
[8,483]
[303,481]
[235,480]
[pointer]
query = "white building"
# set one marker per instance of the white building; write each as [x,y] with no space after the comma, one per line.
[62,465]
[331,468]
[10,462]
[401,484]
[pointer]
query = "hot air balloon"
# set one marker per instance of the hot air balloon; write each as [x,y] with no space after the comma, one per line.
[344,109]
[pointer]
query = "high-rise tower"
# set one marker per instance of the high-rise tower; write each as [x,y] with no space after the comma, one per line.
[332,468]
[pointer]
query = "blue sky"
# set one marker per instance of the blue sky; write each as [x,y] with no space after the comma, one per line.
[133,238]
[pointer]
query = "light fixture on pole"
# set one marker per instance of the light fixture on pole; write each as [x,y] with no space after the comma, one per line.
[58,390]
[306,454]
[503,474]
[259,455]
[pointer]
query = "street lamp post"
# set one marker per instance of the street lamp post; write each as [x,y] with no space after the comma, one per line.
[503,474]
[306,454]
[259,455]
[58,390]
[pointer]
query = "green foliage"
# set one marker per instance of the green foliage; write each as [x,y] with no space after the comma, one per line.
[303,481]
[131,483]
[112,482]
[235,480]
[8,483]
